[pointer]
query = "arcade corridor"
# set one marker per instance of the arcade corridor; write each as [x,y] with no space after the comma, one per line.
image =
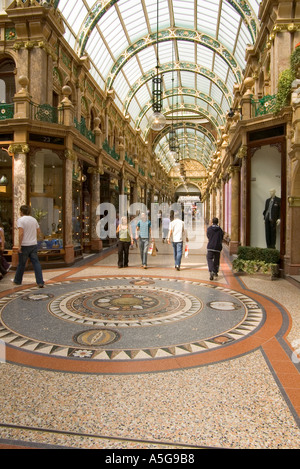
[185,362]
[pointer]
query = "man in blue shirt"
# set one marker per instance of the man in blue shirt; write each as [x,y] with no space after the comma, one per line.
[143,232]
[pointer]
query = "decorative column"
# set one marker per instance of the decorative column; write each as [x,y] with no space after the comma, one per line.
[242,155]
[19,153]
[292,255]
[235,199]
[96,242]
[70,158]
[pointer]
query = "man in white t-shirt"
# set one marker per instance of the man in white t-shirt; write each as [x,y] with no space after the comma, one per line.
[177,231]
[28,232]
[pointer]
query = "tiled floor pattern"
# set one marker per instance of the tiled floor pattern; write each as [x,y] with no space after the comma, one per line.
[232,383]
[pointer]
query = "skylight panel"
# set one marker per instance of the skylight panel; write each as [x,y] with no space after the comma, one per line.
[216,93]
[188,79]
[220,67]
[205,57]
[103,61]
[163,14]
[118,102]
[121,86]
[212,111]
[191,99]
[147,59]
[132,70]
[134,109]
[69,10]
[186,51]
[108,19]
[207,16]
[70,38]
[184,14]
[133,17]
[231,80]
[113,32]
[143,95]
[164,52]
[203,84]
[95,74]
[168,80]
[76,17]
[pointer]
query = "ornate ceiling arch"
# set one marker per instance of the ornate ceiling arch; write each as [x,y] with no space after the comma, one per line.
[202,41]
[179,35]
[182,90]
[98,10]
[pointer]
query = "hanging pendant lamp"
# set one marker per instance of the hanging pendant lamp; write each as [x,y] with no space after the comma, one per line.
[157,121]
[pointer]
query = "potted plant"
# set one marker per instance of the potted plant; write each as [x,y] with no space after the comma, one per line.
[253,260]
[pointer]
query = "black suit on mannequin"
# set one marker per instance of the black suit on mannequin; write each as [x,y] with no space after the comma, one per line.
[271,216]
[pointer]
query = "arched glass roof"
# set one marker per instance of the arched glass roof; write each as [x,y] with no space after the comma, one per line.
[199,46]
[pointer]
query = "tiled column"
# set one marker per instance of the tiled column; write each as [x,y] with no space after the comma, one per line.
[235,198]
[96,242]
[19,152]
[69,248]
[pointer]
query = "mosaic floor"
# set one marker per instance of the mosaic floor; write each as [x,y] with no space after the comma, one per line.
[91,322]
[119,318]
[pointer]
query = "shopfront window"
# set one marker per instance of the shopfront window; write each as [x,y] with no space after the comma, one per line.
[7,81]
[77,215]
[6,197]
[46,186]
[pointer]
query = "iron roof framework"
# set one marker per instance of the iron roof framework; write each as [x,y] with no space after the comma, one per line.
[200,46]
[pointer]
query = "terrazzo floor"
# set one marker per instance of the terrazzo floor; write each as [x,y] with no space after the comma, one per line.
[108,358]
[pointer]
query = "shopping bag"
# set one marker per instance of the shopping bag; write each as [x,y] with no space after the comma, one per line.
[186,251]
[150,249]
[154,249]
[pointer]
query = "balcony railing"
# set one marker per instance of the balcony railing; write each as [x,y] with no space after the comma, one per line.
[6,111]
[111,151]
[47,113]
[265,105]
[44,113]
[81,127]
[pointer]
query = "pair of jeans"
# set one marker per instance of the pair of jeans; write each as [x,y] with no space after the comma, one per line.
[29,252]
[123,253]
[144,244]
[177,249]
[213,261]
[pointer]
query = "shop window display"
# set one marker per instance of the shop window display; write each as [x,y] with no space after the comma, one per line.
[6,208]
[77,216]
[46,185]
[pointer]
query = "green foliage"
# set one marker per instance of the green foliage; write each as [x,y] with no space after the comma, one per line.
[295,60]
[254,260]
[259,254]
[285,81]
[283,95]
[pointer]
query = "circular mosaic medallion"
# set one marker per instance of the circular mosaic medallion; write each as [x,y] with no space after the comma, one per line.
[119,306]
[96,337]
[132,319]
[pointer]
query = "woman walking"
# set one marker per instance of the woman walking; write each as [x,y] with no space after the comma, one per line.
[125,240]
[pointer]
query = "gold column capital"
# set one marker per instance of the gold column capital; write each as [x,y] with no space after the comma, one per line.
[18,148]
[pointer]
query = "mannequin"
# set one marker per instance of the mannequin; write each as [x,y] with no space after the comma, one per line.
[272,218]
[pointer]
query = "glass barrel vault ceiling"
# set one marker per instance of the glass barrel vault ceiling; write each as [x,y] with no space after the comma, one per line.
[200,51]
